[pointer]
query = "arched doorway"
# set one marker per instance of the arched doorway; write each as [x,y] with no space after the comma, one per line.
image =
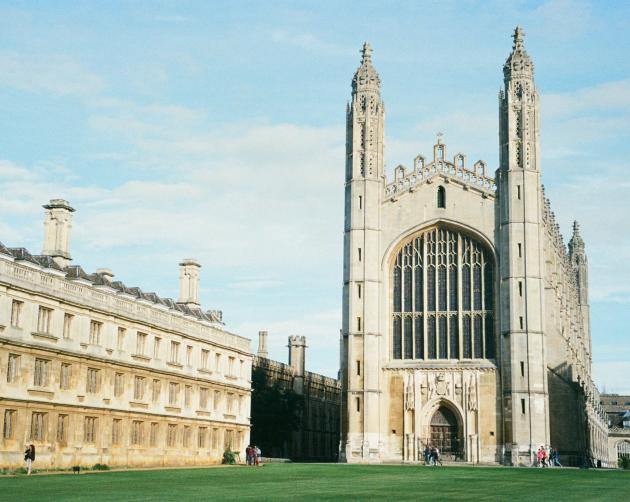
[445,432]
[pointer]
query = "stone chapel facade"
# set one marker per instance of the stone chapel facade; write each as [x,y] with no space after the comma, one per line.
[465,316]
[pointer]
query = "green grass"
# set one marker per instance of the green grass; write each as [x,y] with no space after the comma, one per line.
[278,482]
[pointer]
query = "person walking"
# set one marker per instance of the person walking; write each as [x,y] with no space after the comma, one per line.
[437,456]
[556,458]
[29,457]
[427,455]
[257,454]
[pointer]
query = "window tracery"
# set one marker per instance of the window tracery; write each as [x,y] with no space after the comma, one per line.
[443,298]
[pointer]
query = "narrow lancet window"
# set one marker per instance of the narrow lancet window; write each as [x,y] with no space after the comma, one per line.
[441,198]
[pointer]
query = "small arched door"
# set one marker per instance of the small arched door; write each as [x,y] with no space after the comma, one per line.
[445,431]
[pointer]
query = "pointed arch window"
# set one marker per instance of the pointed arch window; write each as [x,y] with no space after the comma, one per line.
[441,197]
[442,298]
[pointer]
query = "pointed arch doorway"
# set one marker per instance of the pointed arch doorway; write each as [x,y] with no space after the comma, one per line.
[445,432]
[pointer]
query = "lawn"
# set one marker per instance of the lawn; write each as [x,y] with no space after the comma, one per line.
[312,482]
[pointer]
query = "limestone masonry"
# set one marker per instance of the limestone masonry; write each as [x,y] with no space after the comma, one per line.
[465,316]
[94,371]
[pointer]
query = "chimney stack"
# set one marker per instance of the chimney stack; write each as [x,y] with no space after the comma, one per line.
[189,283]
[262,345]
[57,225]
[297,361]
[106,274]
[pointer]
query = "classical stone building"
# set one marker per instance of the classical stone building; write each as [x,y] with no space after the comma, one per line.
[93,371]
[465,316]
[317,436]
[617,408]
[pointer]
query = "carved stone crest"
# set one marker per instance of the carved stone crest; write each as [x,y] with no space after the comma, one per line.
[442,386]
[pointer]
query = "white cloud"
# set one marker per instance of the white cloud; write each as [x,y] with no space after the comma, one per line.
[47,73]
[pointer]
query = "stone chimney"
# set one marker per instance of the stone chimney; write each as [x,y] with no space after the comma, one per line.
[57,225]
[189,283]
[262,345]
[297,361]
[106,274]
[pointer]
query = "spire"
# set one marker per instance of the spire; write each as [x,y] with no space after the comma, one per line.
[518,63]
[366,77]
[576,244]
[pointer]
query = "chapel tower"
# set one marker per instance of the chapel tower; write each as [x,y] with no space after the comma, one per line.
[360,360]
[520,249]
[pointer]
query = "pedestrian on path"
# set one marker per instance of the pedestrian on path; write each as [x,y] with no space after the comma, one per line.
[29,458]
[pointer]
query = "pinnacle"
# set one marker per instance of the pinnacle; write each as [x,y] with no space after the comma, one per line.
[518,36]
[366,53]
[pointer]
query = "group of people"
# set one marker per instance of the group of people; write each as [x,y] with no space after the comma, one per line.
[548,457]
[253,455]
[432,455]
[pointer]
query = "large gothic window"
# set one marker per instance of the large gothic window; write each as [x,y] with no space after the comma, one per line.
[443,298]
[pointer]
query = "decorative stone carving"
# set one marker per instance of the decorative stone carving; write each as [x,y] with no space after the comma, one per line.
[472,393]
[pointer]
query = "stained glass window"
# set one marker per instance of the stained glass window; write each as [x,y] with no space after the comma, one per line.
[453,276]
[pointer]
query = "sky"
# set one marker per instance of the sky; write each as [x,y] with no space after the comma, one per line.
[215,130]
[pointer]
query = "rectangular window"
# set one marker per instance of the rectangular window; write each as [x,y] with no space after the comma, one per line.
[119,384]
[67,325]
[203,398]
[40,377]
[173,393]
[174,352]
[359,290]
[520,320]
[358,404]
[137,429]
[155,391]
[187,395]
[141,343]
[89,429]
[13,368]
[155,427]
[93,380]
[38,426]
[230,403]
[204,358]
[359,250]
[156,347]
[358,367]
[522,368]
[518,191]
[95,332]
[217,400]
[523,406]
[62,428]
[43,320]
[139,384]
[16,313]
[231,366]
[171,435]
[203,433]
[520,288]
[520,250]
[64,376]
[228,439]
[358,324]
[217,362]
[8,428]
[186,440]
[189,351]
[120,339]
[360,201]
[116,431]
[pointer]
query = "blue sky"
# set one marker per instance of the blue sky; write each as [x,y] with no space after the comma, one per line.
[216,130]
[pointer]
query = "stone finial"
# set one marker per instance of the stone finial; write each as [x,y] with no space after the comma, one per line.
[576,244]
[518,64]
[366,77]
[57,225]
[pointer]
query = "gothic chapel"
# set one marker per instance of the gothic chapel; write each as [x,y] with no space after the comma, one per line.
[465,316]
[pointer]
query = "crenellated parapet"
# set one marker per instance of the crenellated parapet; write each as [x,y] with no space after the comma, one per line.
[457,171]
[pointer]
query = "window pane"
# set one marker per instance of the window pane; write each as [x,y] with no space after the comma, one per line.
[408,338]
[419,338]
[431,335]
[397,348]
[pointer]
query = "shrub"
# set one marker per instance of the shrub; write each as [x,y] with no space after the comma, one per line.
[100,467]
[229,457]
[624,462]
[21,470]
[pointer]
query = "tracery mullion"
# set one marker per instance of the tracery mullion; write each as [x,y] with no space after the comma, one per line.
[425,321]
[447,263]
[460,328]
[483,305]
